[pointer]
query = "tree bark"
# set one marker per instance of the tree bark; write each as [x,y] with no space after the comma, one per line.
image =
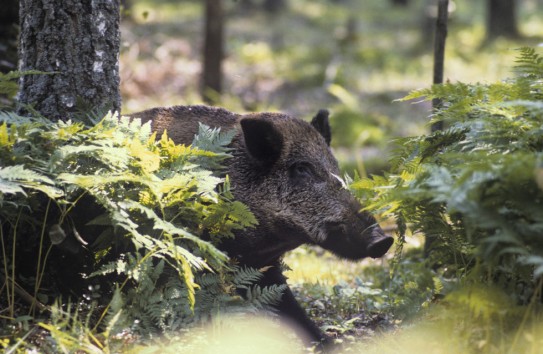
[213,51]
[78,41]
[501,19]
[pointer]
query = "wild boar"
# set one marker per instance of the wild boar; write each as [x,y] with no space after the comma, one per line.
[283,169]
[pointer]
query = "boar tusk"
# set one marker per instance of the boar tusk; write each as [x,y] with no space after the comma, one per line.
[343,184]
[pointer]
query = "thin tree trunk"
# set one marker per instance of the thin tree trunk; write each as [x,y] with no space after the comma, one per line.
[439,64]
[439,53]
[213,51]
[78,42]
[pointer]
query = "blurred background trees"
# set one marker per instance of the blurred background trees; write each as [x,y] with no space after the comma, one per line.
[299,56]
[501,19]
[9,23]
[353,57]
[248,49]
[9,32]
[213,51]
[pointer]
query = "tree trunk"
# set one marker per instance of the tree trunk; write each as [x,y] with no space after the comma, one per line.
[78,41]
[9,21]
[501,19]
[213,51]
[428,16]
[439,66]
[439,54]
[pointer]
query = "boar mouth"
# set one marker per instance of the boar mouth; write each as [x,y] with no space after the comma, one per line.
[353,245]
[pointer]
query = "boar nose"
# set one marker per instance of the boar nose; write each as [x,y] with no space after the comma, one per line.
[379,245]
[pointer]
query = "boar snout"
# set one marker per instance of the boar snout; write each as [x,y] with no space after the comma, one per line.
[350,243]
[379,244]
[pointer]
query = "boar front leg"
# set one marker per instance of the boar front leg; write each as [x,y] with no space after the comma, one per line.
[290,310]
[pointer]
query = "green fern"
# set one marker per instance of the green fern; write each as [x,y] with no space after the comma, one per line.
[529,62]
[471,188]
[262,298]
[244,277]
[157,199]
[215,141]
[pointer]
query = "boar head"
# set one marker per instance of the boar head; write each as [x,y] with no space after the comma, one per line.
[285,172]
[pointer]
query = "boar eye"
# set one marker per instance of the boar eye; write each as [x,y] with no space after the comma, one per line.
[301,171]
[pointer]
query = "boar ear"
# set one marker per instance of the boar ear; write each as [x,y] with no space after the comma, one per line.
[262,139]
[320,122]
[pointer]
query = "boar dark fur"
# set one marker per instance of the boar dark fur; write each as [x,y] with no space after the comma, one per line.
[283,169]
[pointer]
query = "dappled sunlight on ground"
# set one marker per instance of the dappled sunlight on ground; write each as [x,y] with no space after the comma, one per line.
[313,265]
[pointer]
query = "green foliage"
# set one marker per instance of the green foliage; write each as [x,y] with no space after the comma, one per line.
[474,190]
[256,298]
[140,206]
[157,303]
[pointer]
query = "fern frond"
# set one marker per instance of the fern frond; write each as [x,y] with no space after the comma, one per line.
[264,297]
[213,139]
[529,62]
[244,277]
[14,179]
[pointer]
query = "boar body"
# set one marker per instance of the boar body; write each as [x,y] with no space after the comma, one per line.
[283,169]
